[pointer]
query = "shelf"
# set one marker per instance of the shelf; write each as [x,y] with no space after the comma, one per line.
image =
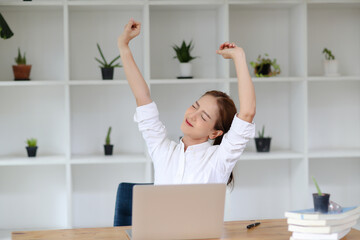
[97,82]
[273,79]
[333,115]
[183,23]
[264,4]
[333,3]
[187,81]
[272,155]
[335,153]
[337,78]
[102,159]
[34,3]
[39,33]
[185,5]
[342,17]
[40,189]
[32,83]
[105,5]
[314,120]
[105,26]
[285,43]
[109,106]
[26,161]
[76,160]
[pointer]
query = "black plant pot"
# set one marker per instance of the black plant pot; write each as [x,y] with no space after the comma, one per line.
[264,70]
[108,148]
[262,144]
[107,73]
[321,203]
[31,151]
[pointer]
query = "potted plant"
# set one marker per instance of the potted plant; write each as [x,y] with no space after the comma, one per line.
[321,200]
[265,67]
[184,56]
[107,69]
[330,64]
[32,147]
[262,143]
[108,148]
[5,31]
[21,70]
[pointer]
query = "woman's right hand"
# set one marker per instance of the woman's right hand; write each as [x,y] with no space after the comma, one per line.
[131,30]
[230,51]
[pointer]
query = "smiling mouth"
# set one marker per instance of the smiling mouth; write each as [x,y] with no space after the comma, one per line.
[188,123]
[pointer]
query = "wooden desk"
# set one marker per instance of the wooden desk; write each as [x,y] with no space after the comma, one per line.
[268,229]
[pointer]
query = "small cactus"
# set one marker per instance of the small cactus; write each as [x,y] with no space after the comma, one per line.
[19,59]
[261,134]
[317,187]
[32,142]
[107,140]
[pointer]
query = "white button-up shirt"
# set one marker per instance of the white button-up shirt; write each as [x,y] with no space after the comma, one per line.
[200,163]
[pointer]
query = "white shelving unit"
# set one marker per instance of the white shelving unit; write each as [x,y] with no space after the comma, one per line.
[314,120]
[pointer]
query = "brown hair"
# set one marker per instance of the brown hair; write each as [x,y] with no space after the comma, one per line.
[227,111]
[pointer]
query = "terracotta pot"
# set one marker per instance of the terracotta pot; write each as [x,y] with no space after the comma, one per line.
[21,72]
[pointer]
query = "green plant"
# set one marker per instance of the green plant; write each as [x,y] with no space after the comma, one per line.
[5,31]
[107,140]
[104,63]
[19,59]
[31,142]
[328,54]
[317,187]
[261,134]
[263,63]
[183,52]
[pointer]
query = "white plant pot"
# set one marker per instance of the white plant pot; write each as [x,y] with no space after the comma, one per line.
[331,68]
[185,70]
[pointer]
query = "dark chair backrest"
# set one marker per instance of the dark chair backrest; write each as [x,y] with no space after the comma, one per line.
[123,205]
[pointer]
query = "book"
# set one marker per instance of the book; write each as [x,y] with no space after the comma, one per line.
[323,222]
[310,214]
[318,236]
[326,229]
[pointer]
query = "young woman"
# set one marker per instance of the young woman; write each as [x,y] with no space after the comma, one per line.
[213,116]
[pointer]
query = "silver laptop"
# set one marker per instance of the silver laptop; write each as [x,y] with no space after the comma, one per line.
[192,211]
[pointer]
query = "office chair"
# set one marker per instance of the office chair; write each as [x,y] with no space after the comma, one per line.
[123,205]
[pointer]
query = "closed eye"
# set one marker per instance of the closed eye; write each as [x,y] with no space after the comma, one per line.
[193,106]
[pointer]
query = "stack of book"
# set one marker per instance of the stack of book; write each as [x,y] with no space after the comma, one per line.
[309,225]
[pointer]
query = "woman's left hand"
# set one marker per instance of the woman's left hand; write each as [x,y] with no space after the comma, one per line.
[230,50]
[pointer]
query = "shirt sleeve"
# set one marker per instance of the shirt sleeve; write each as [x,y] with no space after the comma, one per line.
[152,130]
[233,145]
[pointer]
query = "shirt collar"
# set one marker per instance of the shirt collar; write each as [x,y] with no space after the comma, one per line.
[196,147]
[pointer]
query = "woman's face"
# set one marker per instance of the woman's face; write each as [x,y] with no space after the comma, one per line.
[200,118]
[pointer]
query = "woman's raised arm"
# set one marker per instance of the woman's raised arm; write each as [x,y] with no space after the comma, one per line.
[133,75]
[245,86]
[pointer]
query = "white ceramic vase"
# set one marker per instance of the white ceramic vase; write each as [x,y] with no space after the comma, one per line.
[185,70]
[331,68]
